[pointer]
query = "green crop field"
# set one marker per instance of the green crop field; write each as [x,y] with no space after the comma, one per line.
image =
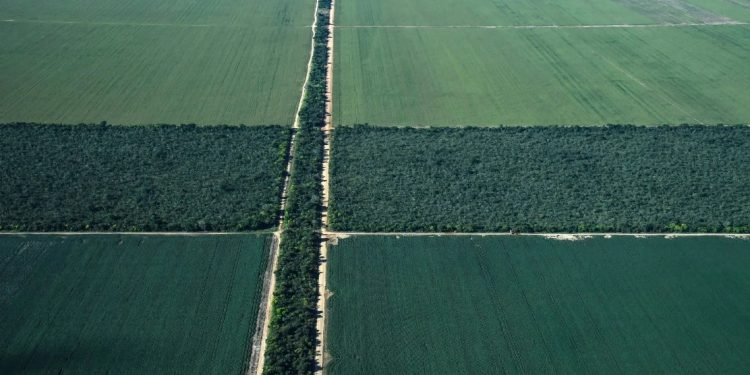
[140,178]
[530,305]
[474,76]
[129,304]
[239,13]
[136,62]
[544,12]
[541,179]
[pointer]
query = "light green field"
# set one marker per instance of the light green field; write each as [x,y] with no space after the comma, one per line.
[129,304]
[529,305]
[142,62]
[244,13]
[537,12]
[452,77]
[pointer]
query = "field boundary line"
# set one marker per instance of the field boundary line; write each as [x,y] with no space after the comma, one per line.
[323,293]
[258,357]
[83,233]
[138,24]
[559,235]
[511,27]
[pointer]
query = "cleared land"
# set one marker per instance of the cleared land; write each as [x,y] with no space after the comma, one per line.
[140,178]
[129,304]
[541,179]
[545,12]
[138,62]
[486,77]
[534,305]
[245,13]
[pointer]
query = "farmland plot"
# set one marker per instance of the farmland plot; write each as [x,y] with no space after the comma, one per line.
[134,304]
[136,62]
[71,73]
[488,77]
[536,12]
[521,304]
[241,13]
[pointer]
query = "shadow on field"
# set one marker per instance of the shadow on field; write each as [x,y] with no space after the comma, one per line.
[100,356]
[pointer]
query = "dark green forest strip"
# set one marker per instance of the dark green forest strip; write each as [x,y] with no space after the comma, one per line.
[530,305]
[292,336]
[140,178]
[541,179]
[129,304]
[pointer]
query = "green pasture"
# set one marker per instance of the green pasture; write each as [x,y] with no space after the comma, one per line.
[536,12]
[134,74]
[138,62]
[486,77]
[530,305]
[239,13]
[129,304]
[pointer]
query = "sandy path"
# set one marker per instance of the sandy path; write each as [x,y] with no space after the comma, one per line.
[561,236]
[295,125]
[320,350]
[605,26]
[258,344]
[133,233]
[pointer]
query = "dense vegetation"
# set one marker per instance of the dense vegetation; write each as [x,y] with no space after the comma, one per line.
[529,305]
[292,336]
[129,304]
[140,178]
[547,179]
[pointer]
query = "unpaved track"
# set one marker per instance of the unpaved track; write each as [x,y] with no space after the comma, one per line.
[607,26]
[323,293]
[557,235]
[258,356]
[133,233]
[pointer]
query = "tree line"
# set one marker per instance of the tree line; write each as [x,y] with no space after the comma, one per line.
[292,336]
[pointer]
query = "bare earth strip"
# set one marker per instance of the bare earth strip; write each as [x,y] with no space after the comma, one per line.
[560,236]
[320,350]
[258,353]
[132,233]
[613,26]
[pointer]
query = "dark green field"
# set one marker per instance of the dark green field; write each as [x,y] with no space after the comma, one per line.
[128,304]
[141,178]
[541,179]
[530,305]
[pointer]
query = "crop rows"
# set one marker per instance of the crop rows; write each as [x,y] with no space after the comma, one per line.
[538,77]
[151,62]
[129,304]
[530,305]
